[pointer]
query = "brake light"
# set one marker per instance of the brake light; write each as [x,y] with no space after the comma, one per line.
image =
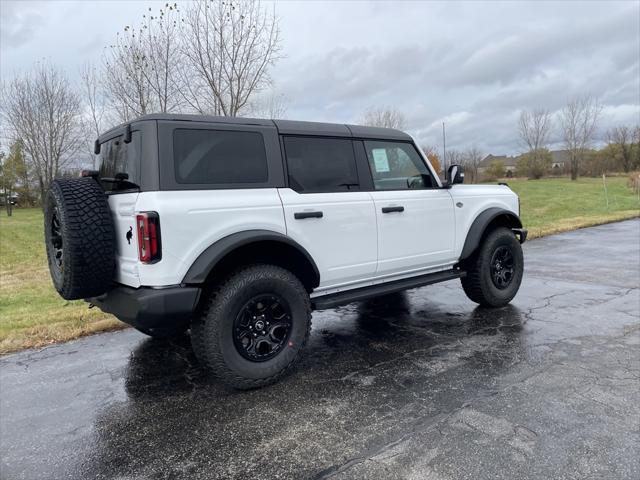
[148,226]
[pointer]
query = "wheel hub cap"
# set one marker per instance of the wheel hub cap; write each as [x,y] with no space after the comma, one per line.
[262,327]
[502,267]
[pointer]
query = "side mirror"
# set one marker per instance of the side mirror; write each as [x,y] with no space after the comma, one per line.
[455,174]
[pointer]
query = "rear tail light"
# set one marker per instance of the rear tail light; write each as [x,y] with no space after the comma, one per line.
[149,247]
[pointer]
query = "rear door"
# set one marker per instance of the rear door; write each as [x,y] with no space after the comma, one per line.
[416,221]
[326,212]
[118,157]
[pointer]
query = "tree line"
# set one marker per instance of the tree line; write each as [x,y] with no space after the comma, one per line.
[575,125]
[210,57]
[215,57]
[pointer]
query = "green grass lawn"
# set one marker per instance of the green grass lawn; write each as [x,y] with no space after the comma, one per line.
[555,205]
[32,314]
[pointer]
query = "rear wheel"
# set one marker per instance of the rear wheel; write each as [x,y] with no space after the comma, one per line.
[254,328]
[494,272]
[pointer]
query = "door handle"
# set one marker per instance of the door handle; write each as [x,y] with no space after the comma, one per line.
[399,208]
[303,215]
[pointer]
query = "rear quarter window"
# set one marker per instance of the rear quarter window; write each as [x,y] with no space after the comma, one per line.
[116,156]
[219,157]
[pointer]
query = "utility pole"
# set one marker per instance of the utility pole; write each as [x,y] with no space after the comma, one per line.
[444,149]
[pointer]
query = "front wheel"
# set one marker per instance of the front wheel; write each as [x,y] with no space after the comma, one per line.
[254,328]
[494,272]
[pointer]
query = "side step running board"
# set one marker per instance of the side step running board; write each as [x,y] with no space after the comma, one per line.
[333,300]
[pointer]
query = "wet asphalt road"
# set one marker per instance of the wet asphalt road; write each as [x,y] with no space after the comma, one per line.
[421,385]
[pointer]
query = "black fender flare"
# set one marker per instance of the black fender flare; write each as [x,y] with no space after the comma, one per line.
[480,224]
[209,258]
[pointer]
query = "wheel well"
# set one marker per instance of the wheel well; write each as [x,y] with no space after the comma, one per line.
[486,222]
[503,220]
[272,252]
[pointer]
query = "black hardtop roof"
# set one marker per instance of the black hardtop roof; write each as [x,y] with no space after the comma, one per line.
[290,127]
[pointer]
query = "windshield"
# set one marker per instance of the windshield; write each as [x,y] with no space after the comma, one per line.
[117,157]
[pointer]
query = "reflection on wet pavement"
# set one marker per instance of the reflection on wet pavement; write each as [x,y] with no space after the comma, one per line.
[421,384]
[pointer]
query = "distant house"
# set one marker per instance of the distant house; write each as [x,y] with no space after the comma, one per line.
[510,163]
[560,161]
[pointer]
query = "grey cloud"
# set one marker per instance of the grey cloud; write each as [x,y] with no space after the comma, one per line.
[18,23]
[473,64]
[482,80]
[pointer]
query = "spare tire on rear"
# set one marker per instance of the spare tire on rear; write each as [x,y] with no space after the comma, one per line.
[80,238]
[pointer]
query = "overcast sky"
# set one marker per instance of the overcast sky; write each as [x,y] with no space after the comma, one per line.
[473,65]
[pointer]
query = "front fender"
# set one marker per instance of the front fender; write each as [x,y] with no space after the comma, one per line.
[482,222]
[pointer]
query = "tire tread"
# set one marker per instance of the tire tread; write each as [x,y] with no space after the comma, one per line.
[88,236]
[209,323]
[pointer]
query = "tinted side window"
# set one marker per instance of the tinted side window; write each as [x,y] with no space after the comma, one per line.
[119,157]
[397,166]
[219,156]
[320,164]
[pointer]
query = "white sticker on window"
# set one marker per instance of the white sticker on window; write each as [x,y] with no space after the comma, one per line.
[380,160]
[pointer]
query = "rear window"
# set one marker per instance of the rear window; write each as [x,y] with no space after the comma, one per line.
[320,164]
[119,157]
[219,157]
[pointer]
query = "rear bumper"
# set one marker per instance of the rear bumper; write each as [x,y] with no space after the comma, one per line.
[149,307]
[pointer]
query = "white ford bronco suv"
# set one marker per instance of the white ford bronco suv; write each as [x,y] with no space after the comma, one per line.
[237,228]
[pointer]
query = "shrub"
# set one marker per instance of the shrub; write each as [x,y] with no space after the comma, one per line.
[495,170]
[534,164]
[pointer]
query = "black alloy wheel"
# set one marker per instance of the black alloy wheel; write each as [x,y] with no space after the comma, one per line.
[502,267]
[262,327]
[57,244]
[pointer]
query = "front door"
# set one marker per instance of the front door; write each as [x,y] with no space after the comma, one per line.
[416,224]
[326,212]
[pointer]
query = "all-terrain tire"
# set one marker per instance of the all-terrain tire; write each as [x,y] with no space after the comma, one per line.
[212,333]
[478,283]
[79,238]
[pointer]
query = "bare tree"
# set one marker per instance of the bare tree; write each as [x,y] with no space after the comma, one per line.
[41,110]
[385,117]
[141,69]
[471,159]
[271,105]
[454,157]
[621,138]
[94,106]
[579,121]
[534,128]
[228,47]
